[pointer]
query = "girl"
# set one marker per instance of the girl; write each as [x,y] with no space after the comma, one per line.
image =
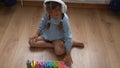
[54,30]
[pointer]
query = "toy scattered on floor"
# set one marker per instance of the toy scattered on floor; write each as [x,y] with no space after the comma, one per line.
[40,64]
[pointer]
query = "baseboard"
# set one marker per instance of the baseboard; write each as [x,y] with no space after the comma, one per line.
[75,5]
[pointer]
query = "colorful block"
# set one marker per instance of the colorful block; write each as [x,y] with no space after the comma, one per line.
[40,64]
[37,64]
[33,64]
[28,64]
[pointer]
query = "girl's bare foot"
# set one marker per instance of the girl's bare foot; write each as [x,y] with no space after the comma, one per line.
[77,43]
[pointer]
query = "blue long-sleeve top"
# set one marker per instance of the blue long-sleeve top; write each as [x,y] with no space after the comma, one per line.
[53,33]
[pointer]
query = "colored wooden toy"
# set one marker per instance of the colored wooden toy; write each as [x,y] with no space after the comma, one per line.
[37,64]
[28,64]
[33,64]
[40,64]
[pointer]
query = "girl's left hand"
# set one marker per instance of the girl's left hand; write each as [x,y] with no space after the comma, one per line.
[68,59]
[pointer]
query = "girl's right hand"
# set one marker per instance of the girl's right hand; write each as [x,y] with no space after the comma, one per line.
[68,59]
[34,38]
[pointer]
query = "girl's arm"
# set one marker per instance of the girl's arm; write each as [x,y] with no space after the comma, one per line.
[38,32]
[43,22]
[68,39]
[67,33]
[40,27]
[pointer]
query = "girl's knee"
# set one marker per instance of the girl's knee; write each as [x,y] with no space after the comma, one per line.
[59,52]
[59,47]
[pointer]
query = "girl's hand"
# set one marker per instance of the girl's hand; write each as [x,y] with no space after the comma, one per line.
[68,59]
[33,38]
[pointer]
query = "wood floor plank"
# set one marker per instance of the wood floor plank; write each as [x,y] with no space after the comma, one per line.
[5,17]
[108,25]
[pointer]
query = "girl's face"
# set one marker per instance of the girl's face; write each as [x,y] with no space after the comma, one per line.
[55,13]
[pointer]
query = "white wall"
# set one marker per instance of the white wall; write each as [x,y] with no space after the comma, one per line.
[89,1]
[82,1]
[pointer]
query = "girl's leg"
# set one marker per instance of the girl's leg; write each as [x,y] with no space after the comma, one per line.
[40,42]
[59,47]
[77,43]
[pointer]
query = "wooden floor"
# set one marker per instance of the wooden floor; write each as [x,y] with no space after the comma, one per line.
[98,29]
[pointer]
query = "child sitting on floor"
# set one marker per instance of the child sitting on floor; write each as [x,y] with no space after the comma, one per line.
[54,30]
